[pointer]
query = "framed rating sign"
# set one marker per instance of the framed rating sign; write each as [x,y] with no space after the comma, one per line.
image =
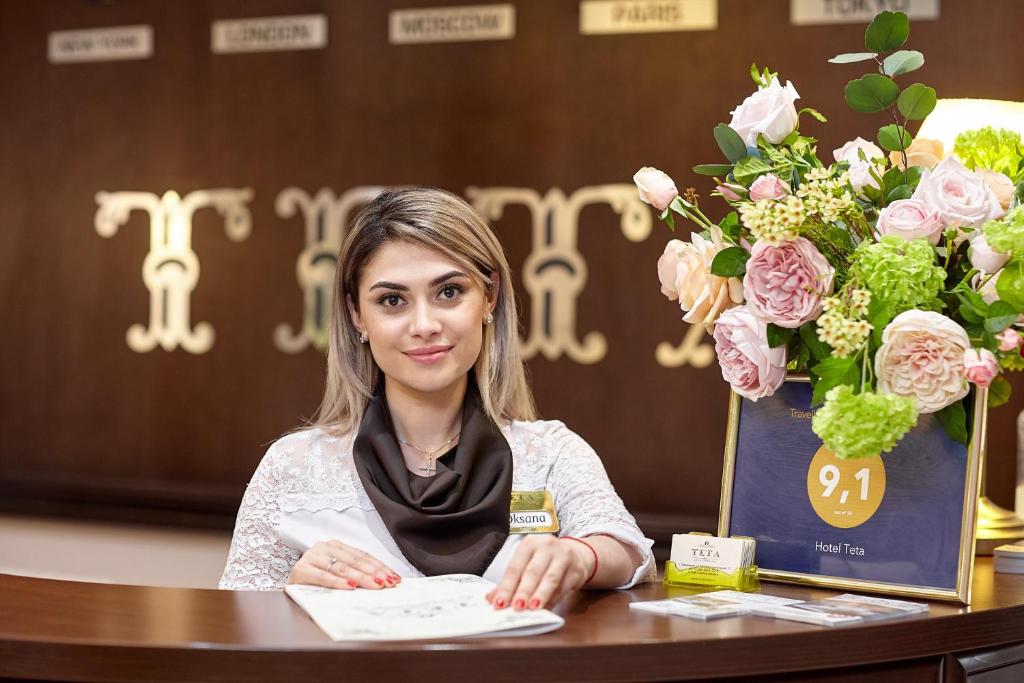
[901,523]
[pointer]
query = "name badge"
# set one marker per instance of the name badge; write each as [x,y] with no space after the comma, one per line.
[533,512]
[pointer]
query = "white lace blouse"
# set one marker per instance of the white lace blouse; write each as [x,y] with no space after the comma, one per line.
[306,489]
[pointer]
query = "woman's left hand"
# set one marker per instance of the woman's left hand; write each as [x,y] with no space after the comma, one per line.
[543,570]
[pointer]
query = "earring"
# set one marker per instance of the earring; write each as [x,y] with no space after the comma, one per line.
[489,319]
[363,338]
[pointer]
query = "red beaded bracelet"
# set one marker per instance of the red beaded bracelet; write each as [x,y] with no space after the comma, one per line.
[596,561]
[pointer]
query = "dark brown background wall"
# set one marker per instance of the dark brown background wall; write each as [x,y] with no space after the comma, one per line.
[89,426]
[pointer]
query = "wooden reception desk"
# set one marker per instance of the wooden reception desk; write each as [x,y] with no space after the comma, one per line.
[62,630]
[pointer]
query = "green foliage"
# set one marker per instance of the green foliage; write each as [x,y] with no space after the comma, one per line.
[730,226]
[902,61]
[998,150]
[1010,283]
[863,425]
[999,391]
[1007,233]
[817,349]
[893,138]
[730,262]
[851,57]
[871,93]
[887,31]
[832,372]
[1001,314]
[748,168]
[814,113]
[779,336]
[953,419]
[730,142]
[713,169]
[916,101]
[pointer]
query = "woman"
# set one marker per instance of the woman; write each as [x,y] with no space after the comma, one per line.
[426,428]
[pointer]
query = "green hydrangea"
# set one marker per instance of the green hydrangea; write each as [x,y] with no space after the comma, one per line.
[899,273]
[862,425]
[1007,233]
[996,149]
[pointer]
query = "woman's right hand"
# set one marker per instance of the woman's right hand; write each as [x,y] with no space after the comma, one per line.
[333,564]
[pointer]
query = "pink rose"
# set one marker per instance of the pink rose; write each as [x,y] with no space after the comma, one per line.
[922,356]
[1000,184]
[749,365]
[769,111]
[959,195]
[1009,340]
[769,186]
[730,191]
[910,219]
[784,285]
[985,258]
[980,367]
[655,187]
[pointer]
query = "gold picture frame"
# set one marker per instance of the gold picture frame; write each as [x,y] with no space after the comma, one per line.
[961,593]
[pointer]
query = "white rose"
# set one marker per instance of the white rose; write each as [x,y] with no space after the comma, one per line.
[769,111]
[922,356]
[685,273]
[655,187]
[959,195]
[851,151]
[860,169]
[985,258]
[910,219]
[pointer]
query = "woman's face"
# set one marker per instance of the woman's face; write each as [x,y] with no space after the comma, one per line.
[423,314]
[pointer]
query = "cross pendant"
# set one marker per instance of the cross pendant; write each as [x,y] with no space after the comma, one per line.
[429,468]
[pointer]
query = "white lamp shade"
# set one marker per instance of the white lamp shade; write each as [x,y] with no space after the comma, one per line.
[954,116]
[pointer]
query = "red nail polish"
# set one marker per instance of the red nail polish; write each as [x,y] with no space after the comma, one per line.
[379,581]
[535,603]
[499,603]
[351,583]
[396,578]
[520,603]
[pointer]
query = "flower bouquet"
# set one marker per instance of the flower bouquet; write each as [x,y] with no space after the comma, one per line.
[892,274]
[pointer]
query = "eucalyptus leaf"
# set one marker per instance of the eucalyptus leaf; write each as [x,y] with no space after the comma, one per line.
[730,142]
[916,101]
[887,31]
[871,93]
[893,138]
[730,262]
[902,61]
[851,57]
[713,169]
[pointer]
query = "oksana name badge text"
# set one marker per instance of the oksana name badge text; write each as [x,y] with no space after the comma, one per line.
[532,512]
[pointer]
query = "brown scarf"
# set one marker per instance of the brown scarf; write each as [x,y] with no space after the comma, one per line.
[455,521]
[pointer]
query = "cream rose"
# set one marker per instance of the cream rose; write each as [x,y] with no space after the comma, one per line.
[684,270]
[910,219]
[1000,184]
[959,195]
[922,356]
[922,152]
[985,258]
[769,111]
[655,187]
[860,169]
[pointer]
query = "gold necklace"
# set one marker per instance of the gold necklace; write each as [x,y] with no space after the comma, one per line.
[430,467]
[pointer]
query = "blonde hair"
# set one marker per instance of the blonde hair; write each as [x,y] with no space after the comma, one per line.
[442,221]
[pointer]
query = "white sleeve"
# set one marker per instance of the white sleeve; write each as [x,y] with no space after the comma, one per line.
[259,559]
[586,502]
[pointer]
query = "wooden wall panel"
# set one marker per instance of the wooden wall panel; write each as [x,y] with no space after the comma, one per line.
[87,423]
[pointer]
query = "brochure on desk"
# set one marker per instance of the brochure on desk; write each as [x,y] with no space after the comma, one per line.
[914,536]
[448,606]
